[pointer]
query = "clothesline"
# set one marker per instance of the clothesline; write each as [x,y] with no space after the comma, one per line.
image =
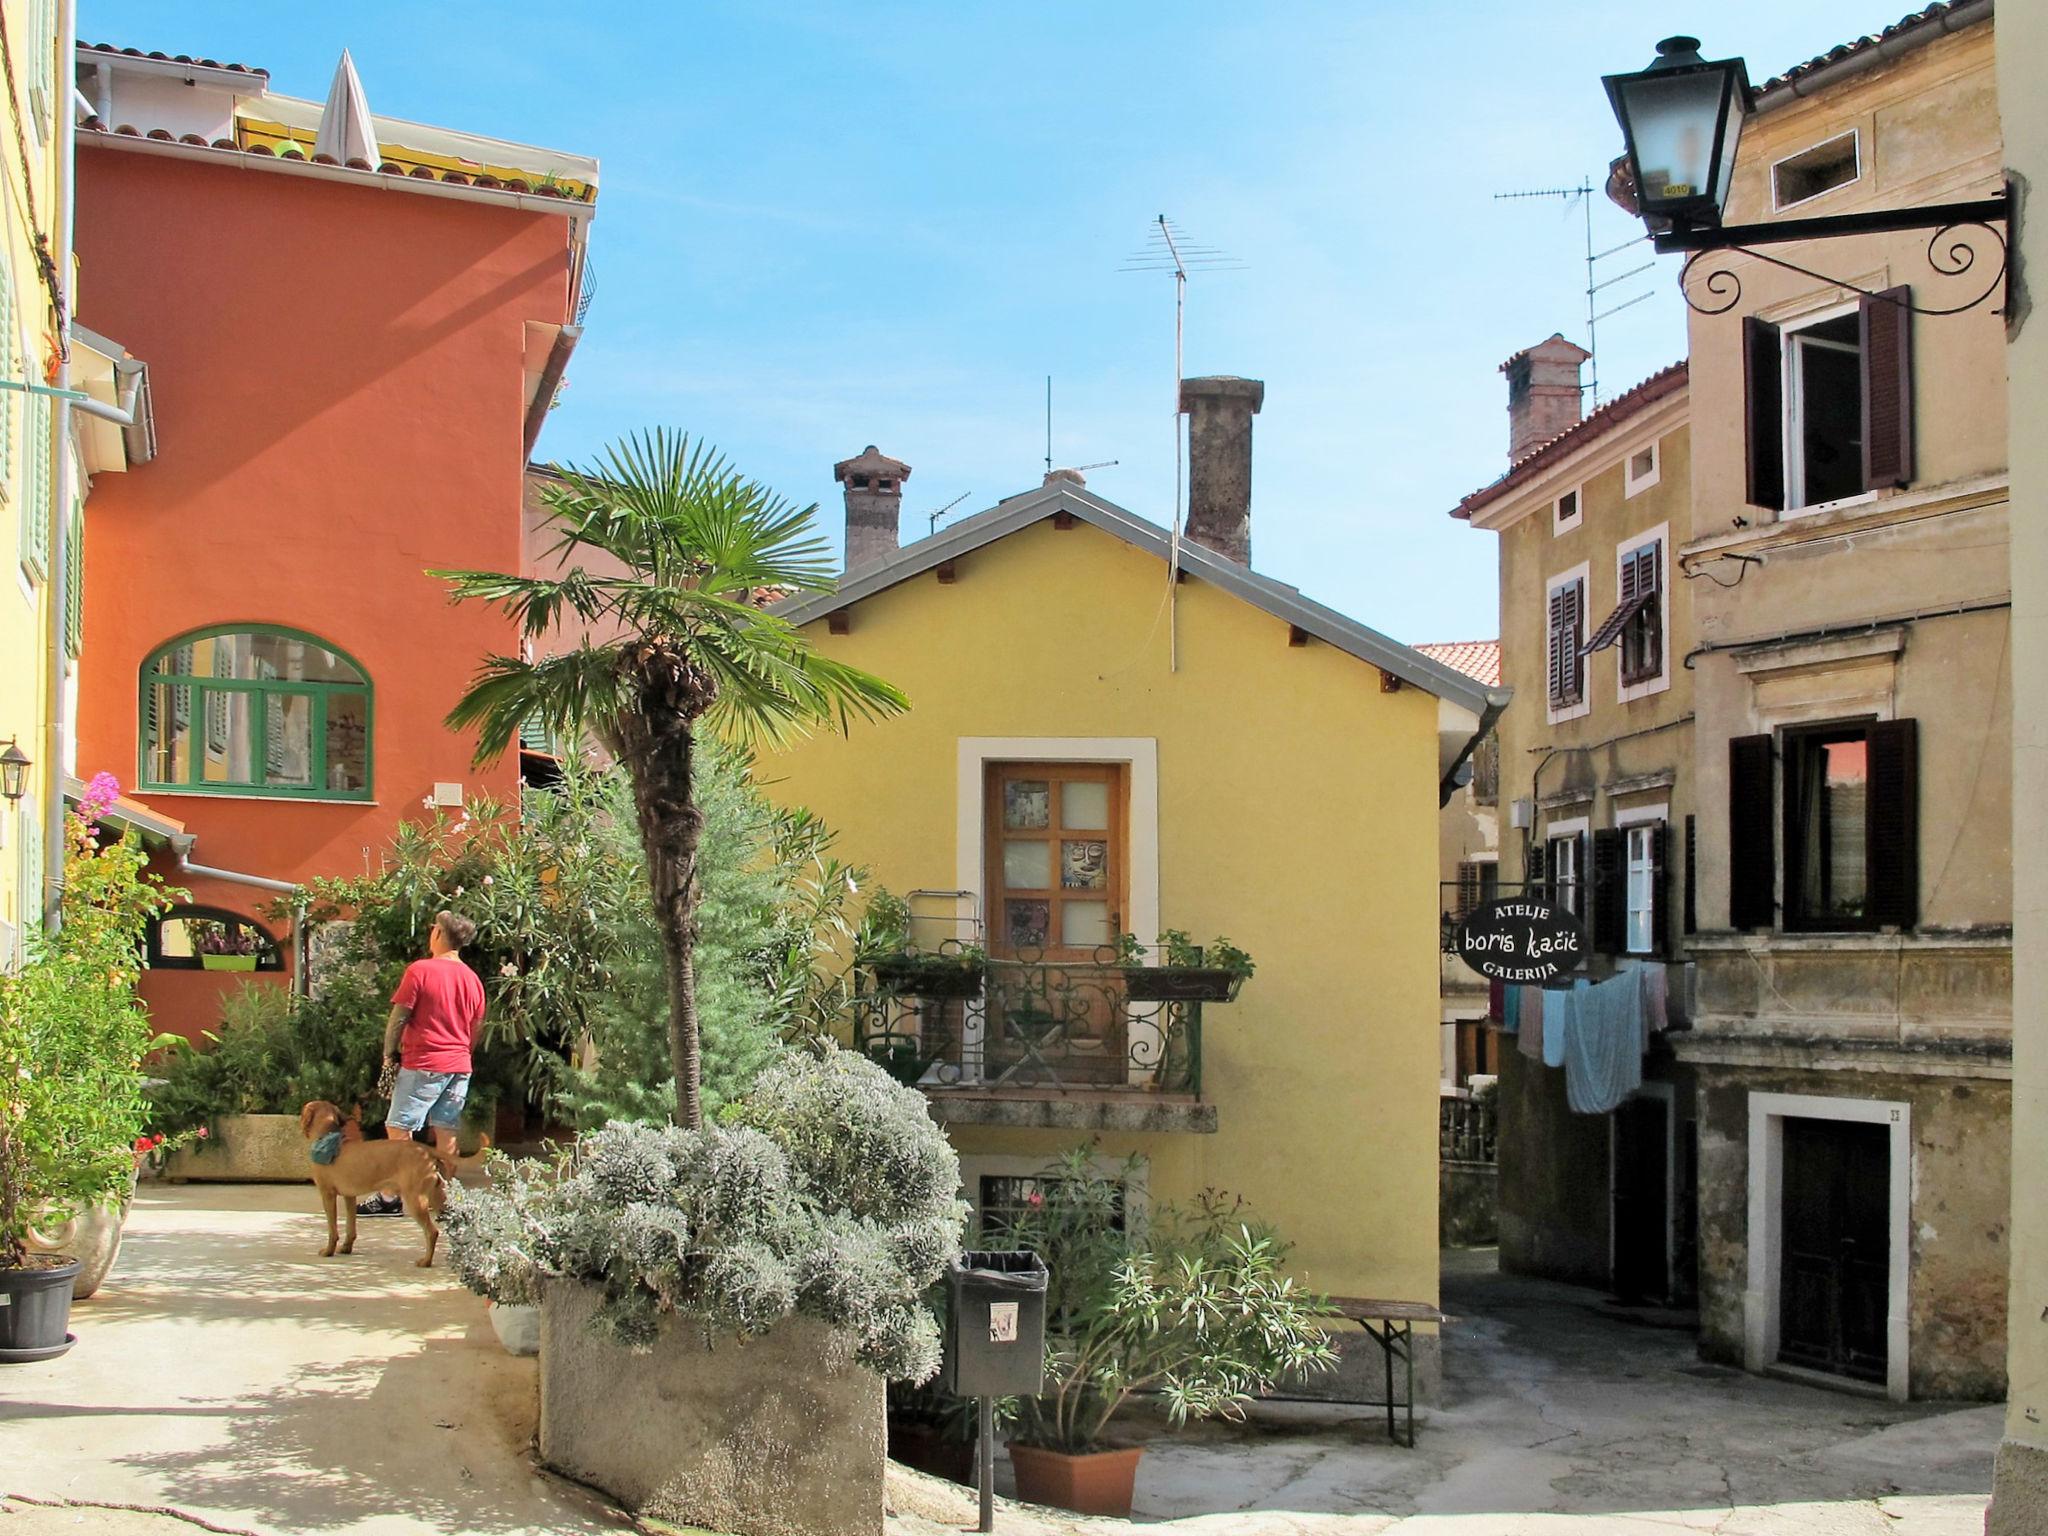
[1597,1032]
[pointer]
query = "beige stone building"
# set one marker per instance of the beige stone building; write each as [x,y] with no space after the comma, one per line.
[2019,1504]
[1847,568]
[1597,805]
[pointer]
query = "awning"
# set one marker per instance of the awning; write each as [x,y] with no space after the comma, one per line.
[155,830]
[1611,627]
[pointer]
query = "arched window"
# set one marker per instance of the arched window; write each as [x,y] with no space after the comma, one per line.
[188,938]
[255,710]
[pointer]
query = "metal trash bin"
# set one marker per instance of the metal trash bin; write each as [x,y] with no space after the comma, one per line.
[995,1325]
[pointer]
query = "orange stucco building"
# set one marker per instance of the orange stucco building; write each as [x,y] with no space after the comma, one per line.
[350,360]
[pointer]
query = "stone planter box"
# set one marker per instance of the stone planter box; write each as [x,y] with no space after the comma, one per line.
[777,1436]
[246,1149]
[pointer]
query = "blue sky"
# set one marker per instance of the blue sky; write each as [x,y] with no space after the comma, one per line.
[823,225]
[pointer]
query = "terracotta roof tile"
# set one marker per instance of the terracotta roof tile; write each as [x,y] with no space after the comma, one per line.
[1630,403]
[1926,17]
[175,58]
[1477,659]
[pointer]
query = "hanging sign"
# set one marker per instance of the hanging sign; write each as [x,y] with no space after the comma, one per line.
[1521,939]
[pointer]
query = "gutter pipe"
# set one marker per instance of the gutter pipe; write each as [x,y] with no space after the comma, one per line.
[58,746]
[261,883]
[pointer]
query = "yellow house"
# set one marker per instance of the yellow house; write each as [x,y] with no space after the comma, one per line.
[1095,748]
[33,244]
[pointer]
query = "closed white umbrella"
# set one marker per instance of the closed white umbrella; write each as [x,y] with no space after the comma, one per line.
[345,128]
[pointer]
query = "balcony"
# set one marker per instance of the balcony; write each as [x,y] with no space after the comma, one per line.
[1066,1046]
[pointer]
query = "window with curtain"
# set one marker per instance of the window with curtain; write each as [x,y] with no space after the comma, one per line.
[255,711]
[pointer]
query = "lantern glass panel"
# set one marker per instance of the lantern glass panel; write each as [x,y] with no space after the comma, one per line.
[1676,122]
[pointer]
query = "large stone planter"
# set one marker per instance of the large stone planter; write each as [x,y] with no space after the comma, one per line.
[776,1436]
[91,1237]
[245,1149]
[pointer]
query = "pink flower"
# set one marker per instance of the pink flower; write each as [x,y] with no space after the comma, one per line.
[101,791]
[200,1133]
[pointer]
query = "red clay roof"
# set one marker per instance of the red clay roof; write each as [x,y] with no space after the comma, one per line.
[1478,659]
[1623,407]
[1927,21]
[174,58]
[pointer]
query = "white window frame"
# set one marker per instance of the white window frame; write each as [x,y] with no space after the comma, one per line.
[1760,1298]
[1634,484]
[1623,692]
[1568,831]
[1855,138]
[1581,573]
[1559,523]
[1789,426]
[1629,821]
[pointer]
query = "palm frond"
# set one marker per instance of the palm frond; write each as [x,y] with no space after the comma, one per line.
[567,695]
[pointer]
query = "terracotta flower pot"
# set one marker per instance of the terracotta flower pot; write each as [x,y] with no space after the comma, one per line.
[1091,1483]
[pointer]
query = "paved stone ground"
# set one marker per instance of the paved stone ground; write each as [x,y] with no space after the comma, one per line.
[229,1380]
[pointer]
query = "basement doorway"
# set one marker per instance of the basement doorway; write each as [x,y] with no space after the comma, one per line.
[1836,1266]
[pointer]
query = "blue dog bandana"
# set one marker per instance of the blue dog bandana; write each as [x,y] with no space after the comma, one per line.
[327,1148]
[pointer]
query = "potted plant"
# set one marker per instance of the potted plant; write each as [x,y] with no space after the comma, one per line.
[740,1291]
[885,946]
[1187,973]
[72,1039]
[225,946]
[1194,1306]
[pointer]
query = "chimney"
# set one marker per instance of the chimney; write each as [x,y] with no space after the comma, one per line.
[874,501]
[1220,411]
[1543,394]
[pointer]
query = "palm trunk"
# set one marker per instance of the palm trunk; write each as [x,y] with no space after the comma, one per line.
[659,754]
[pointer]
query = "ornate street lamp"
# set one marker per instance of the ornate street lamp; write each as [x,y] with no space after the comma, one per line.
[14,766]
[1680,121]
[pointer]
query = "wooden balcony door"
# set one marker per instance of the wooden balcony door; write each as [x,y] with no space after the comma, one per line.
[1055,856]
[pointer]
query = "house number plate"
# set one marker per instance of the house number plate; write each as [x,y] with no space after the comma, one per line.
[1002,1322]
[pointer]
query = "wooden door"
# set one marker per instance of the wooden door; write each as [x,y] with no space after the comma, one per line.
[1835,1276]
[1642,1199]
[1056,901]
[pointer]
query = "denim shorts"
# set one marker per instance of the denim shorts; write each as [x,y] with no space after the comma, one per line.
[427,1098]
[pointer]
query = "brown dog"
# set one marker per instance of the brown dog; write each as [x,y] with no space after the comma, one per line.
[363,1167]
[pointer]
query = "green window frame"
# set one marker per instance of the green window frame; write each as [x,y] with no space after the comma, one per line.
[203,706]
[74,581]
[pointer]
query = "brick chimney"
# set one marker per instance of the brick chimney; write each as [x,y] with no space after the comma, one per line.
[1543,394]
[1220,411]
[874,502]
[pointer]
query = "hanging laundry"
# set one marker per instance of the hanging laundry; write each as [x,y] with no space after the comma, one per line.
[1557,1005]
[1530,1012]
[1495,994]
[1656,989]
[1510,1014]
[1603,1055]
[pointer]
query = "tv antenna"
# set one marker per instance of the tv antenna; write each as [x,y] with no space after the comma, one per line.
[1595,284]
[1100,464]
[1168,249]
[932,519]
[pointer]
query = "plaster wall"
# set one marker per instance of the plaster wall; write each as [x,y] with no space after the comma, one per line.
[1297,815]
[1961,1196]
[317,460]
[2020,1495]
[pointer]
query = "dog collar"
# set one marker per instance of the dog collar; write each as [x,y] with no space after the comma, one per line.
[327,1148]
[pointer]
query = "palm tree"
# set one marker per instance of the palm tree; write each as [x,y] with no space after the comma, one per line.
[692,646]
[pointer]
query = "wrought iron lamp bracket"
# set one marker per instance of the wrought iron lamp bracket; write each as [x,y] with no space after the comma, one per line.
[1951,250]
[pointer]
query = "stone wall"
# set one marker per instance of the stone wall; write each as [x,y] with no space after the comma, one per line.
[1960,1205]
[1466,1204]
[1553,1196]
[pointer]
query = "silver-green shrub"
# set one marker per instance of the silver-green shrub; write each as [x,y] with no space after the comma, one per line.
[828,1192]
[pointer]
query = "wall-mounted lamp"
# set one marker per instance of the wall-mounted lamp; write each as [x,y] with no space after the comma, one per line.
[14,766]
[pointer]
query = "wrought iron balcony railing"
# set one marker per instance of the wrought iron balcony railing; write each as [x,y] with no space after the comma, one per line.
[1035,1027]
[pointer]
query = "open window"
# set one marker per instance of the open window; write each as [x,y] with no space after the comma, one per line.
[1631,905]
[1830,404]
[1637,622]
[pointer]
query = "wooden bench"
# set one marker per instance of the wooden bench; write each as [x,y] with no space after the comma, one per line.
[1391,1325]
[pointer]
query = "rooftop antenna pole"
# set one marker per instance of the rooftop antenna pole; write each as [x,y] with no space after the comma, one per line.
[1048,423]
[932,519]
[1583,195]
[1168,250]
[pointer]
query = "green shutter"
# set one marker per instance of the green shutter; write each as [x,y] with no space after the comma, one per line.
[74,582]
[35,488]
[31,871]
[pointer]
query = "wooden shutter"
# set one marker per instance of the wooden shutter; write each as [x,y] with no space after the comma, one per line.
[1763,367]
[1610,891]
[1535,871]
[1886,332]
[1557,660]
[1752,852]
[1692,868]
[1574,639]
[1894,810]
[1660,885]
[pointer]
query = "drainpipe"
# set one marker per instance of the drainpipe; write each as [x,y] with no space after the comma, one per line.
[57,746]
[261,883]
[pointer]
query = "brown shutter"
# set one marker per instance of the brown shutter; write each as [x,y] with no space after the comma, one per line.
[1752,853]
[1887,336]
[1660,885]
[1557,603]
[1764,388]
[1575,640]
[1692,867]
[1535,875]
[1895,823]
[1610,891]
